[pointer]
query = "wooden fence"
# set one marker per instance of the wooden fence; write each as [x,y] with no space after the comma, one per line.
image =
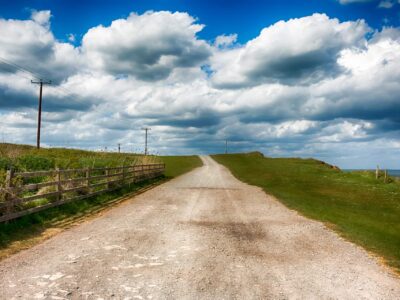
[29,192]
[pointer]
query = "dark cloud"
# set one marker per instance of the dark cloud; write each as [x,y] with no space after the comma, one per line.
[11,100]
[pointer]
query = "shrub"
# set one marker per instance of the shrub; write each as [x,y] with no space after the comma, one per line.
[5,163]
[35,163]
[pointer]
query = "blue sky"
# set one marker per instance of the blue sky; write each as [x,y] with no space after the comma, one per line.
[246,18]
[288,78]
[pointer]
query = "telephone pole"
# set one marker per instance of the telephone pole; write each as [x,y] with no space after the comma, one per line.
[41,83]
[226,146]
[146,129]
[119,148]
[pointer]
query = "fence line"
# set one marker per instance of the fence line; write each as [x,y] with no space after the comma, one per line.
[19,198]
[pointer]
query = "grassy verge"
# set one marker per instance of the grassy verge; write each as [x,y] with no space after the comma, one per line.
[29,230]
[177,165]
[359,207]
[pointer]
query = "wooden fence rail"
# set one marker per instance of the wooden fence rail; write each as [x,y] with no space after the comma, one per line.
[29,192]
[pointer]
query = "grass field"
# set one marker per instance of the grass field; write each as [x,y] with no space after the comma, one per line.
[28,230]
[359,207]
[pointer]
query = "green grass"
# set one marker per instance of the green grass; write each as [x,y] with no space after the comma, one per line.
[177,165]
[359,207]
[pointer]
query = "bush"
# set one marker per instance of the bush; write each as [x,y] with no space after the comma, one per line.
[5,163]
[35,163]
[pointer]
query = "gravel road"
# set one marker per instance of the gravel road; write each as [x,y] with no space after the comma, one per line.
[204,235]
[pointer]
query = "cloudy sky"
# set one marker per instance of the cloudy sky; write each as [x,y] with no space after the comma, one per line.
[315,78]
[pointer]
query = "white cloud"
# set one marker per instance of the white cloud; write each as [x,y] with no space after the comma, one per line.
[30,43]
[71,38]
[148,47]
[386,4]
[297,51]
[41,17]
[225,41]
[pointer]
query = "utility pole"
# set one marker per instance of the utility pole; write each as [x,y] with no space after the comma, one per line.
[41,83]
[226,146]
[119,148]
[146,129]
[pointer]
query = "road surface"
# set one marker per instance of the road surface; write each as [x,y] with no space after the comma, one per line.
[204,235]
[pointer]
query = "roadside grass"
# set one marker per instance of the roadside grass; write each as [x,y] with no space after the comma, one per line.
[177,165]
[29,230]
[355,204]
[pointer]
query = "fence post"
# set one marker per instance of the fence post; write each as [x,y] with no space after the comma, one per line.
[87,174]
[8,195]
[377,172]
[123,175]
[386,176]
[59,187]
[107,178]
[135,176]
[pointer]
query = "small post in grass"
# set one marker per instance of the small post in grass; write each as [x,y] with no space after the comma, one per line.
[386,176]
[8,195]
[59,187]
[87,173]
[377,172]
[107,177]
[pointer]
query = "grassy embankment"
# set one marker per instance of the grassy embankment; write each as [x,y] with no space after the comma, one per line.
[359,207]
[28,230]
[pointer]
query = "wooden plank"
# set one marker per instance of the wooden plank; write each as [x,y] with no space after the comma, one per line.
[35,174]
[31,198]
[75,189]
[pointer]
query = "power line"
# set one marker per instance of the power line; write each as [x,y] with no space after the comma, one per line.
[35,75]
[18,73]
[23,69]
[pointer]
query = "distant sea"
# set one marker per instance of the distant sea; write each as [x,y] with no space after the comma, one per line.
[394,173]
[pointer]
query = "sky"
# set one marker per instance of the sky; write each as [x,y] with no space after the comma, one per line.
[315,78]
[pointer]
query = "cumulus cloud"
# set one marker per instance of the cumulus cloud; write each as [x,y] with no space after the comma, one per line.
[30,43]
[298,51]
[148,47]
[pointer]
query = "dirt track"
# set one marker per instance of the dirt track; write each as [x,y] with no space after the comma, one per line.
[204,235]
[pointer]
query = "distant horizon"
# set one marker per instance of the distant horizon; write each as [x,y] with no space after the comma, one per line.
[141,152]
